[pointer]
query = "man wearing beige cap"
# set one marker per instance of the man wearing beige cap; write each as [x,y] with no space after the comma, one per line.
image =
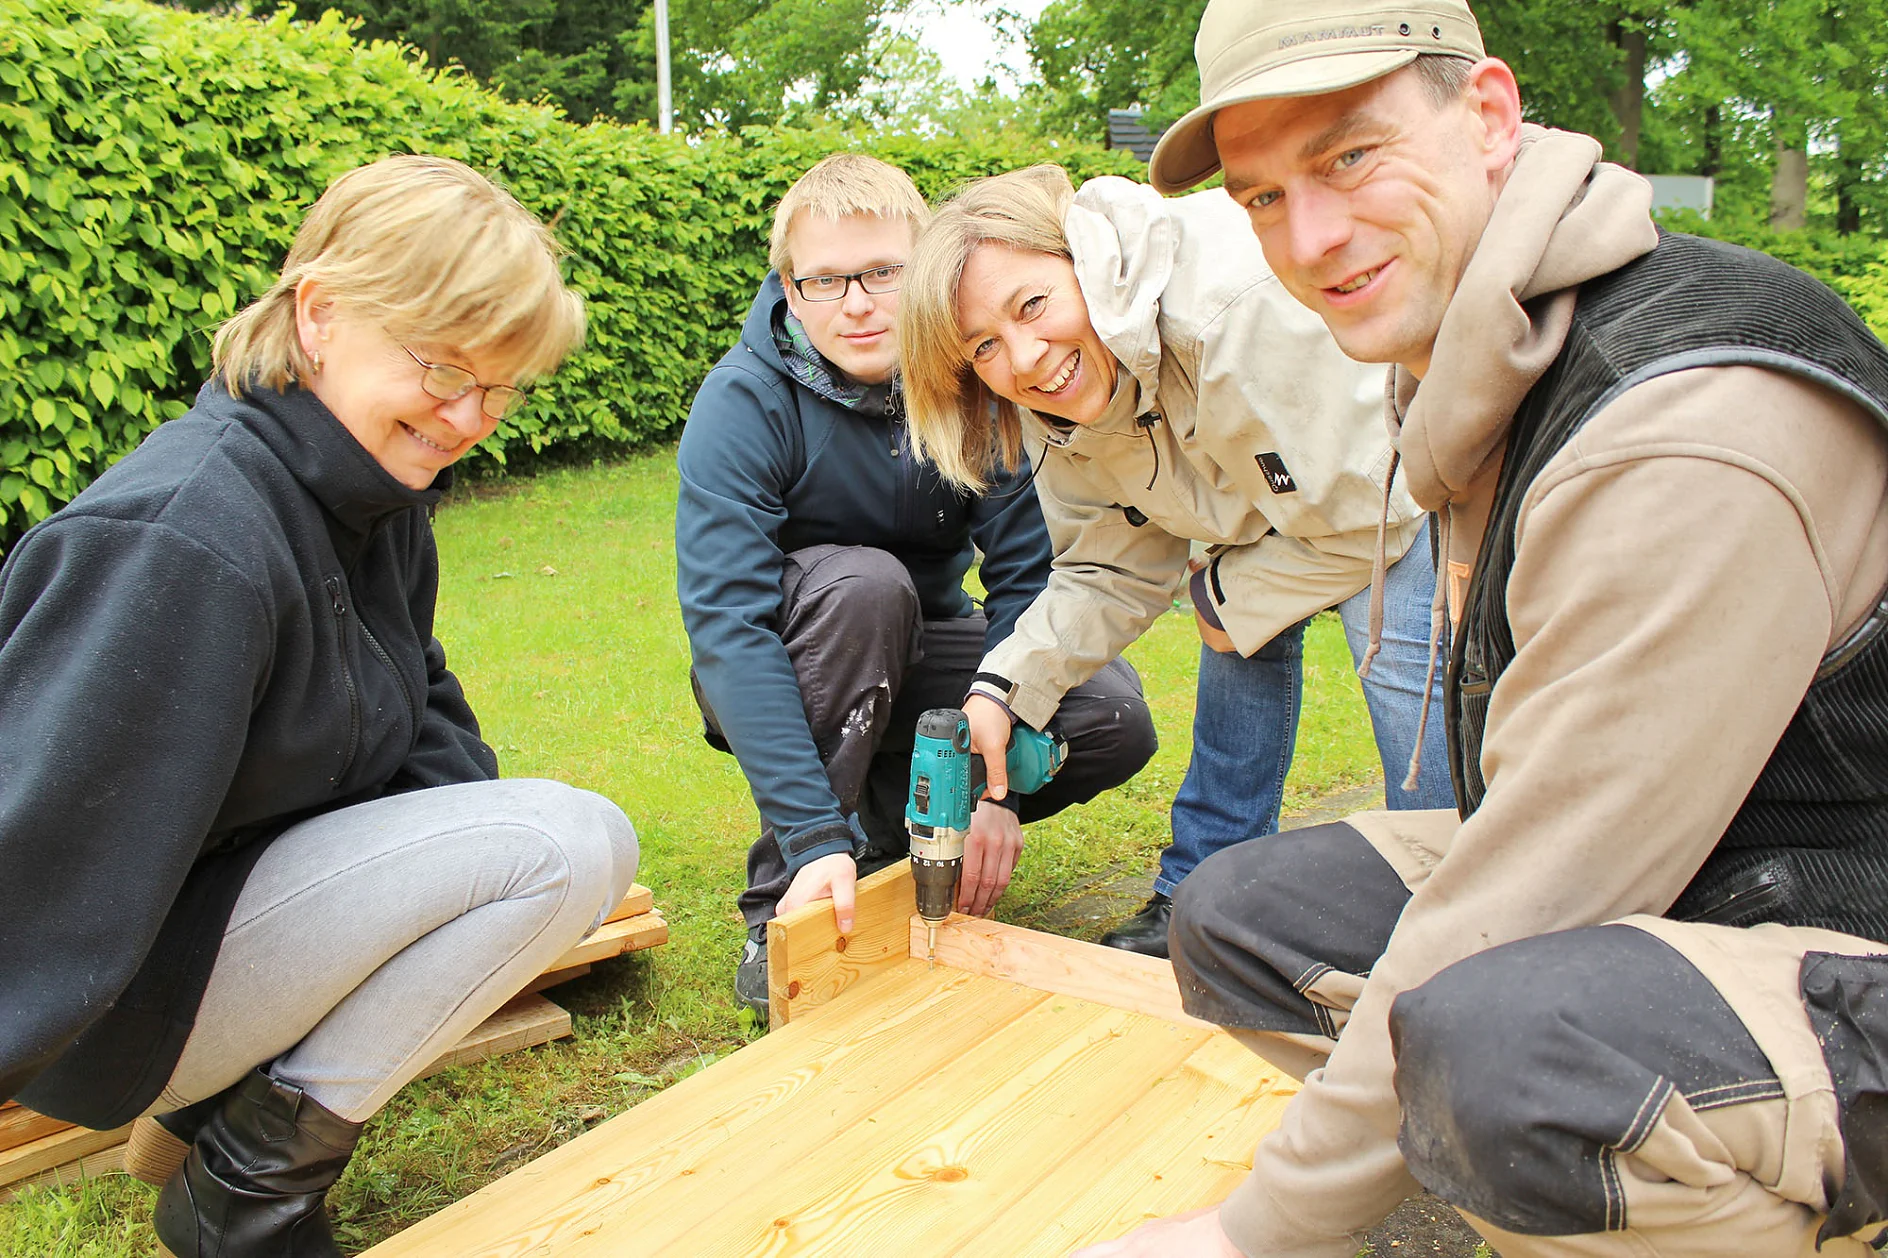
[1633,999]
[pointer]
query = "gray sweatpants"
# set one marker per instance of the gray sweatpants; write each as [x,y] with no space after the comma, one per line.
[370,939]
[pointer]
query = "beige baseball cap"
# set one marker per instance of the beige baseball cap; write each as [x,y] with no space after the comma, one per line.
[1259,49]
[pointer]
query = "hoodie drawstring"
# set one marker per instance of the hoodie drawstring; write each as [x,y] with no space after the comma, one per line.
[1438,608]
[1146,424]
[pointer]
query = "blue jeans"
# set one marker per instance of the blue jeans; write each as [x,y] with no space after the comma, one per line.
[1245,721]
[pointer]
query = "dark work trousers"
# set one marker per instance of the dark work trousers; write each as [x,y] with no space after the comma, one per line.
[1638,1088]
[868,666]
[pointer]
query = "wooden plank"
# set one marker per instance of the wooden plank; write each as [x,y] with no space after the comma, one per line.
[943,1151]
[1186,1142]
[639,901]
[47,1152]
[107,1161]
[19,1125]
[837,1067]
[613,939]
[551,978]
[809,961]
[526,1020]
[1107,976]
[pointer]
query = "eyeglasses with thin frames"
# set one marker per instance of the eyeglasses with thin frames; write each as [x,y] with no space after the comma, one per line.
[877,281]
[449,383]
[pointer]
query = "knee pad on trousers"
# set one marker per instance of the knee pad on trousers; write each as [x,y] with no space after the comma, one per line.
[1258,923]
[1524,1071]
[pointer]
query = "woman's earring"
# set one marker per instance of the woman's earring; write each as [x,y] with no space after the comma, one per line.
[317,358]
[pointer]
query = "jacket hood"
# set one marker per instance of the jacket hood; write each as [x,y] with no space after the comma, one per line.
[1563,217]
[321,453]
[1124,239]
[757,331]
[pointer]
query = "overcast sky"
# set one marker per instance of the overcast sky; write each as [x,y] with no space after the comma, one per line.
[961,36]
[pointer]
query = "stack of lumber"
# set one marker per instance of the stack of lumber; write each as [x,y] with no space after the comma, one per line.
[1027,1096]
[35,1149]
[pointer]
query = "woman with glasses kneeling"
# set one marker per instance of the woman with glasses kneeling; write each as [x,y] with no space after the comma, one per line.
[1170,391]
[257,869]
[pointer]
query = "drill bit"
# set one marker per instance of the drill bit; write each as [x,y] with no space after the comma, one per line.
[930,951]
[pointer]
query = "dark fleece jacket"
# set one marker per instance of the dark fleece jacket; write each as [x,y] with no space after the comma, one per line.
[768,467]
[229,631]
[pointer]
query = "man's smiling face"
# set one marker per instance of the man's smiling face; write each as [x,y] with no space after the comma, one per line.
[1369,202]
[858,333]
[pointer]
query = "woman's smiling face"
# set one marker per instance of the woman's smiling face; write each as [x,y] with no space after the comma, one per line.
[1027,336]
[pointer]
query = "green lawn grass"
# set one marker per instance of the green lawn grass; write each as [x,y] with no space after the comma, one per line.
[558,612]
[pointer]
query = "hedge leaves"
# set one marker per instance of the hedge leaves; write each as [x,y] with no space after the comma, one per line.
[154,165]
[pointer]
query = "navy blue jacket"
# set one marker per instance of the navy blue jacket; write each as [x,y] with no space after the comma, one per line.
[768,467]
[228,632]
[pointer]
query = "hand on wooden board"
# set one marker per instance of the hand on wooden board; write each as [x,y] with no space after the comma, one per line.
[991,850]
[828,878]
[1193,1235]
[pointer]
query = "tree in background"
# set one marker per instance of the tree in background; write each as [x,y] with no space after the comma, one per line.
[1784,102]
[734,62]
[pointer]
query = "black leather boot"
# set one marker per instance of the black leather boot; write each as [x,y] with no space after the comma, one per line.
[256,1181]
[1146,931]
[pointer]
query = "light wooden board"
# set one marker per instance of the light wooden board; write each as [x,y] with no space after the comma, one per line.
[1107,976]
[19,1125]
[38,1156]
[107,1161]
[640,900]
[521,1023]
[922,1112]
[613,939]
[809,962]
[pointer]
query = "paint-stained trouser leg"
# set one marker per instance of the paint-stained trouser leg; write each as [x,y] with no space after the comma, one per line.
[1271,938]
[1644,1089]
[852,625]
[1654,1088]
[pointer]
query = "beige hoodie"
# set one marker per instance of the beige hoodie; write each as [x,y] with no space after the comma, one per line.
[1682,567]
[1233,368]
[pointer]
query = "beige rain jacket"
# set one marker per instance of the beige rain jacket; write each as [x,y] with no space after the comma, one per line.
[1233,368]
[1683,565]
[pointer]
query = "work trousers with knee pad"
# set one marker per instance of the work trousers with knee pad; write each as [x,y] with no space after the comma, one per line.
[369,940]
[1643,1087]
[869,664]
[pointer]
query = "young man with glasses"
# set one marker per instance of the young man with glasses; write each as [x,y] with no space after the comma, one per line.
[820,567]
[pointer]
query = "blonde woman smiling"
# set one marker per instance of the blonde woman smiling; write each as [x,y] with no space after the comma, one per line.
[1169,391]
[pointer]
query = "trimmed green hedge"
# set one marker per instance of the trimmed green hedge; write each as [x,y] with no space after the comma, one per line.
[154,165]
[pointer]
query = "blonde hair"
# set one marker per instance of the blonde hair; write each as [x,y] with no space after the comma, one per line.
[956,422]
[430,249]
[842,184]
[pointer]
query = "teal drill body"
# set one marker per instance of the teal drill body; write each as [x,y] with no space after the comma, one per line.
[947,782]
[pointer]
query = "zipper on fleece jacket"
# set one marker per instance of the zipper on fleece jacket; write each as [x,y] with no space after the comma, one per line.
[338,601]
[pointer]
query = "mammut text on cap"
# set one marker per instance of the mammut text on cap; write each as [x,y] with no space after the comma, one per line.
[1257,49]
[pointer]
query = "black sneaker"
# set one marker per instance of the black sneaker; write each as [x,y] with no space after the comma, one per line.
[1146,931]
[750,978]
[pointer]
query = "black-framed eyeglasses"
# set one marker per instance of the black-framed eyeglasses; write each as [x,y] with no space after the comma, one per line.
[449,383]
[878,280]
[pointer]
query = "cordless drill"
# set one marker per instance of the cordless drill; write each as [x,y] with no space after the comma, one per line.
[947,782]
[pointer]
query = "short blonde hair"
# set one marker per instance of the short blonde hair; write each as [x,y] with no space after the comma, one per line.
[842,184]
[962,427]
[430,249]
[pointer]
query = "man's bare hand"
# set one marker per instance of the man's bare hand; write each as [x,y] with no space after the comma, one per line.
[1194,1235]
[990,738]
[828,878]
[991,851]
